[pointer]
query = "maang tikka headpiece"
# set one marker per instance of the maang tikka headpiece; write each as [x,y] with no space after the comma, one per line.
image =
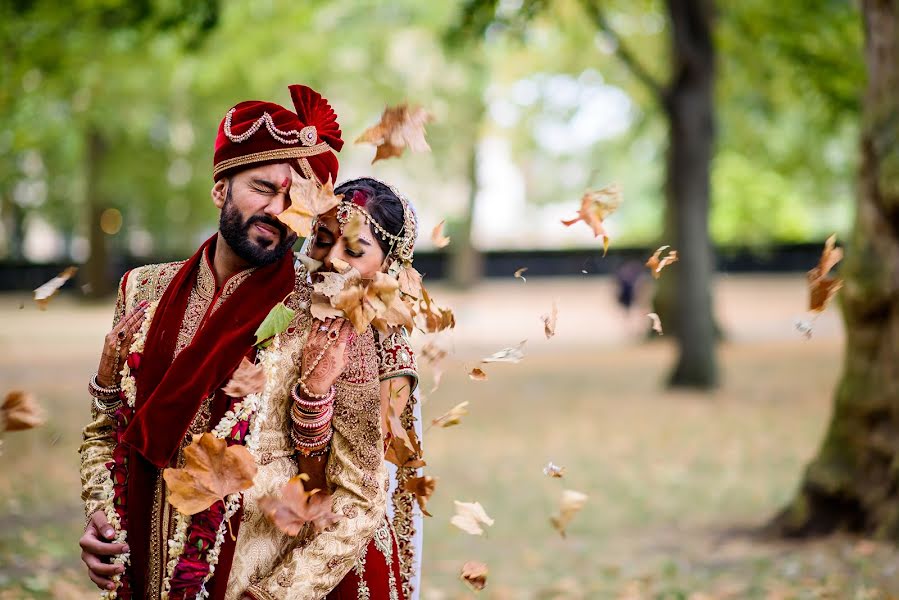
[403,245]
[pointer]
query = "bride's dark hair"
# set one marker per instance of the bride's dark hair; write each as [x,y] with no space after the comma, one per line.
[380,202]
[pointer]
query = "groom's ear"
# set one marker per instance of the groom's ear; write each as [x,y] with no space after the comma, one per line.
[219,192]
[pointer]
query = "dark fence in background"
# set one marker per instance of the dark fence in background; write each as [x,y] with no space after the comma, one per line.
[785,258]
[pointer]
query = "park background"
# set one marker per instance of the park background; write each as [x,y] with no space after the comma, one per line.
[742,134]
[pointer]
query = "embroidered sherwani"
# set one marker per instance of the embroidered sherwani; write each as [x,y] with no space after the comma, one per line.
[267,563]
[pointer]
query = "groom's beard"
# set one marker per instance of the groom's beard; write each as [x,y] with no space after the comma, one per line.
[236,233]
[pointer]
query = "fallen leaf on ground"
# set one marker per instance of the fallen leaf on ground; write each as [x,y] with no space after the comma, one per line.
[400,127]
[295,507]
[248,378]
[509,355]
[596,206]
[656,263]
[438,238]
[43,294]
[276,321]
[571,504]
[656,323]
[553,470]
[519,274]
[821,286]
[474,573]
[307,201]
[212,470]
[453,416]
[549,322]
[470,516]
[422,487]
[20,411]
[477,374]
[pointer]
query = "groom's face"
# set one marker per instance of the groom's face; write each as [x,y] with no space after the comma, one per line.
[250,202]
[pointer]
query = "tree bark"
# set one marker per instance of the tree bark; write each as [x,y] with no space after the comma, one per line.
[853,483]
[96,270]
[689,106]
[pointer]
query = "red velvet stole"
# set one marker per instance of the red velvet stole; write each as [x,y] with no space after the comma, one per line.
[169,392]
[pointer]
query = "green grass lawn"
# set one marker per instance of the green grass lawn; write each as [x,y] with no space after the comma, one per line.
[676,481]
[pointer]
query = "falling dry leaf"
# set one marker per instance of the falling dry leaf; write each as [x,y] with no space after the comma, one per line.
[295,507]
[43,294]
[410,282]
[477,374]
[519,274]
[438,376]
[432,318]
[212,470]
[596,206]
[656,263]
[20,411]
[470,516]
[400,127]
[453,416]
[422,487]
[351,232]
[549,322]
[656,323]
[307,201]
[310,263]
[403,447]
[510,355]
[572,502]
[822,287]
[804,327]
[474,573]
[438,238]
[553,470]
[247,379]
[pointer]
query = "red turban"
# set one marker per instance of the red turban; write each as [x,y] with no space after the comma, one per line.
[255,133]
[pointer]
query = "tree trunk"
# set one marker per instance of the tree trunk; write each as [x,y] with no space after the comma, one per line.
[14,224]
[96,270]
[466,264]
[689,106]
[853,483]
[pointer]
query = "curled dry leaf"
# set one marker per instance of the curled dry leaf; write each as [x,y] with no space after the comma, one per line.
[295,507]
[20,411]
[519,274]
[410,282]
[470,516]
[212,470]
[43,294]
[474,573]
[656,263]
[821,286]
[422,487]
[307,201]
[656,323]
[549,322]
[310,263]
[438,238]
[248,378]
[403,447]
[352,230]
[596,206]
[432,318]
[509,355]
[553,470]
[453,416]
[571,504]
[400,127]
[477,374]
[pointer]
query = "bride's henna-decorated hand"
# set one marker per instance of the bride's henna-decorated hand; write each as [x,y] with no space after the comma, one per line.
[328,339]
[118,341]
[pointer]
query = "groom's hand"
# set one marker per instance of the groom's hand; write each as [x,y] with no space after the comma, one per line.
[96,546]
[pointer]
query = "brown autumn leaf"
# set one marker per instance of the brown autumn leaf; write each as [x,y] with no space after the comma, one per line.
[356,306]
[519,274]
[474,573]
[20,411]
[422,487]
[212,470]
[400,127]
[432,318]
[470,516]
[596,206]
[352,230]
[656,323]
[295,507]
[432,352]
[307,201]
[477,374]
[571,504]
[509,355]
[310,263]
[410,282]
[403,447]
[438,238]
[247,379]
[656,263]
[553,470]
[549,322]
[43,294]
[453,416]
[821,286]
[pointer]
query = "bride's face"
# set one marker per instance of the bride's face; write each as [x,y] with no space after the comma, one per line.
[328,244]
